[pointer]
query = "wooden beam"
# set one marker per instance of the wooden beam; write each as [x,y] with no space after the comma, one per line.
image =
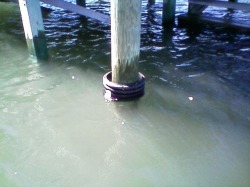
[185,18]
[194,9]
[78,9]
[239,6]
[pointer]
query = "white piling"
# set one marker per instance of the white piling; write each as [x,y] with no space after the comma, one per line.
[33,28]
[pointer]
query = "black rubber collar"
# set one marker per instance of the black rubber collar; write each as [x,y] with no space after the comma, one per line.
[122,92]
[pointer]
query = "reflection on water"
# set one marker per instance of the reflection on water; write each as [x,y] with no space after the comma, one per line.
[190,129]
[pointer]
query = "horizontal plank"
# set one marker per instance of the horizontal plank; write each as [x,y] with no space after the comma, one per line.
[221,21]
[239,6]
[78,9]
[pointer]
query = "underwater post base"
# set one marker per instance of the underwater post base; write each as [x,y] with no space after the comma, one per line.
[122,92]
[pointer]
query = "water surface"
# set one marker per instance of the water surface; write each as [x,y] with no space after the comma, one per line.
[190,129]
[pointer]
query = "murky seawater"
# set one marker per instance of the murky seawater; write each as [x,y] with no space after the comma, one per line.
[190,129]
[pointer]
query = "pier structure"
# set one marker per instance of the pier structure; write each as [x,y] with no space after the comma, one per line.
[124,81]
[34,29]
[33,22]
[196,8]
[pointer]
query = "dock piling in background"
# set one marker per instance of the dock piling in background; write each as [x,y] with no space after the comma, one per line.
[81,3]
[151,2]
[233,1]
[34,28]
[168,15]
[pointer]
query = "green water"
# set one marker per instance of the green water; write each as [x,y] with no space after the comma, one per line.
[190,129]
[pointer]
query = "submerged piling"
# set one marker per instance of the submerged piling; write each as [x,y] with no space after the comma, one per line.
[33,28]
[124,82]
[168,14]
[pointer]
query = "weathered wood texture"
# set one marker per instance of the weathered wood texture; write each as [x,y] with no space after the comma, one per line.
[168,15]
[232,5]
[33,28]
[78,9]
[125,40]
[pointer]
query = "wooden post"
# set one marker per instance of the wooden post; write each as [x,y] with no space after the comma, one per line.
[168,14]
[81,2]
[233,1]
[33,28]
[125,40]
[151,2]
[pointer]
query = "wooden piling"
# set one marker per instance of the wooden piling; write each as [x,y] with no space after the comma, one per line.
[33,28]
[81,3]
[233,1]
[125,40]
[168,14]
[151,2]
